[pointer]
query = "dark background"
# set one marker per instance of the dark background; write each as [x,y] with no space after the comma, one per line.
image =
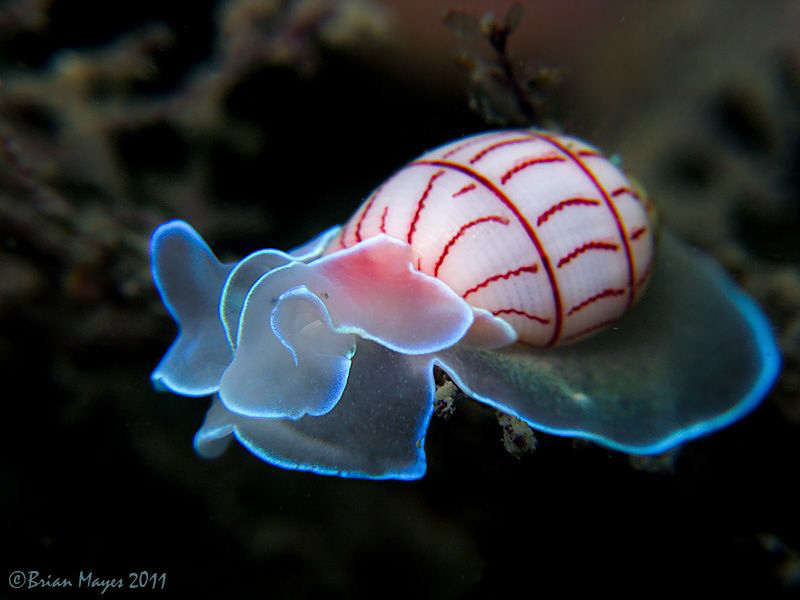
[262,124]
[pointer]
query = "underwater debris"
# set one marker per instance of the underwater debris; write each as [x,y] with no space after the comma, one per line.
[254,31]
[518,437]
[504,91]
[444,400]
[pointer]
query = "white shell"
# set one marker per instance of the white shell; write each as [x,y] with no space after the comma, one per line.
[538,228]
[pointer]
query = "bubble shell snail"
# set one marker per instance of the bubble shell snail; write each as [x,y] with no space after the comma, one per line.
[487,257]
[539,229]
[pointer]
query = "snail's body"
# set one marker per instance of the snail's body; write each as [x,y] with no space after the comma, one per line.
[540,229]
[322,359]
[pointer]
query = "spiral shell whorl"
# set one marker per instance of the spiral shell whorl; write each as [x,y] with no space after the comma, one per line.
[538,228]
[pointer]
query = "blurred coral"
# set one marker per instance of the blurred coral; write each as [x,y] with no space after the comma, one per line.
[71,186]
